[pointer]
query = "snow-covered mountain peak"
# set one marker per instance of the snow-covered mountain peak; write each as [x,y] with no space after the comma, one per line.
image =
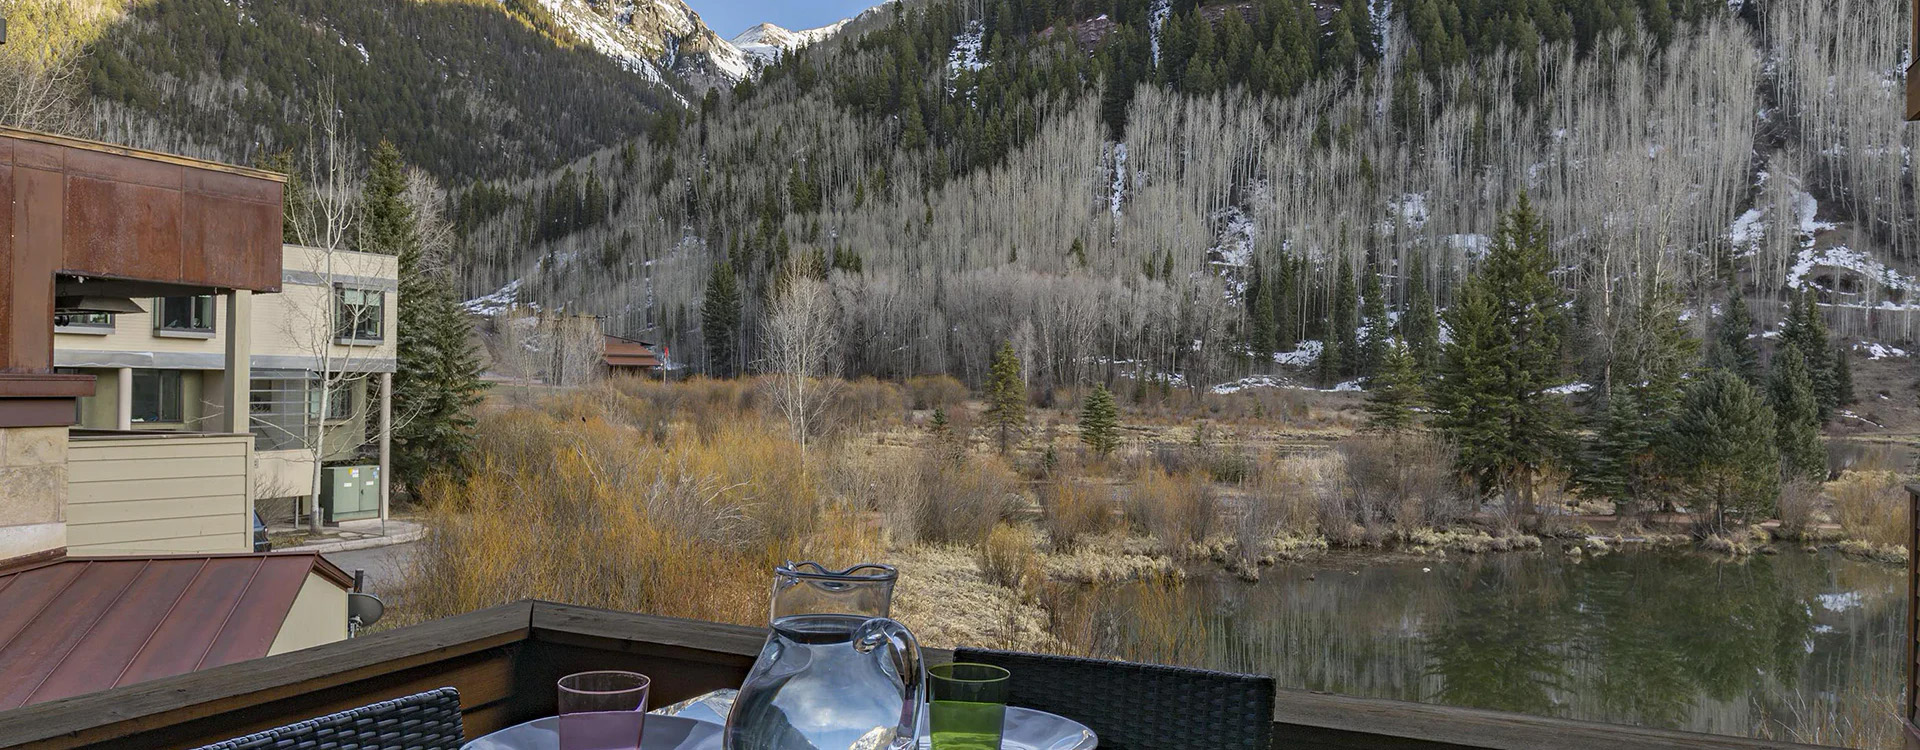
[651,37]
[767,42]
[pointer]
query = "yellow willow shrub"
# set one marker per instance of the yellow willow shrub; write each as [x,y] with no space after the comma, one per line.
[1870,506]
[1178,510]
[1074,510]
[1009,558]
[1148,620]
[574,508]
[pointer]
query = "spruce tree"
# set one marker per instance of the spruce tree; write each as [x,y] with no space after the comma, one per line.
[1099,422]
[1504,355]
[1724,442]
[436,380]
[1843,376]
[1374,324]
[1394,391]
[1420,326]
[1732,348]
[1651,356]
[1260,314]
[1806,330]
[1345,334]
[720,319]
[1796,417]
[1006,397]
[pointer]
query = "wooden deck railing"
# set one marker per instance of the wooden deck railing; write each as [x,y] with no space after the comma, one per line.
[1911,704]
[505,660]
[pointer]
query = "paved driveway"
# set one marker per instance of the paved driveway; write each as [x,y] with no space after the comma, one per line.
[385,566]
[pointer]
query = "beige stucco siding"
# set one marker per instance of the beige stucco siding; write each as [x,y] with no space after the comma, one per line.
[318,616]
[297,323]
[146,495]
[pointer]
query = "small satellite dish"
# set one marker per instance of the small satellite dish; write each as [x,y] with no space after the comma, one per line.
[364,609]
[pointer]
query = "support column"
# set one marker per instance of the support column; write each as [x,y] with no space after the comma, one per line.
[386,442]
[123,399]
[235,396]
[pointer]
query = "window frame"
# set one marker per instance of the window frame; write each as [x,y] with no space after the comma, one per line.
[162,378]
[340,405]
[91,328]
[161,328]
[353,331]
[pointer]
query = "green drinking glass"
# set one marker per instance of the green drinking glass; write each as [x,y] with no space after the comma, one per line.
[969,706]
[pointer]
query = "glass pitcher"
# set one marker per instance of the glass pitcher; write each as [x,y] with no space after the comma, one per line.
[835,673]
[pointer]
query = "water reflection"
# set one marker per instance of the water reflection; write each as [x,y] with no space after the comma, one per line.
[1673,639]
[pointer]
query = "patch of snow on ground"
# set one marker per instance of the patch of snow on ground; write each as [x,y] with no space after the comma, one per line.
[1570,389]
[1412,209]
[1351,385]
[1805,208]
[966,50]
[1254,381]
[1879,351]
[1747,231]
[498,302]
[1307,353]
[1840,256]
[1237,236]
[1840,602]
[1119,177]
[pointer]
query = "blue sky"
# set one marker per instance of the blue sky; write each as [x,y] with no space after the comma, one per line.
[730,17]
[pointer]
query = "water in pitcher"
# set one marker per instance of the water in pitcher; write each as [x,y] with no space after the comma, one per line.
[812,690]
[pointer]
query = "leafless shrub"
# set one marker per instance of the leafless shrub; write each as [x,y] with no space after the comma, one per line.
[1178,510]
[1073,510]
[1799,508]
[936,391]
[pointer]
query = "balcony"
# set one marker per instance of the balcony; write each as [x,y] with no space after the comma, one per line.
[505,660]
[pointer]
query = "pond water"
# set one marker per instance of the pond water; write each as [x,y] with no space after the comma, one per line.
[1798,645]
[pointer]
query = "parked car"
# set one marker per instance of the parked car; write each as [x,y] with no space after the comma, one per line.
[260,541]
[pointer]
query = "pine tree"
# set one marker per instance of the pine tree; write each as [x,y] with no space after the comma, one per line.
[1843,376]
[1006,397]
[436,380]
[1806,330]
[1260,313]
[1078,252]
[1732,348]
[1724,441]
[1796,417]
[1099,422]
[1503,357]
[1421,324]
[1346,324]
[720,319]
[1650,358]
[1394,391]
[1374,324]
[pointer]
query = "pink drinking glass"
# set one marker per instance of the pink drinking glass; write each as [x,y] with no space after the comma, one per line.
[602,710]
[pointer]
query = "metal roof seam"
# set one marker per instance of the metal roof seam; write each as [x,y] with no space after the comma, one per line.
[259,564]
[97,617]
[43,606]
[168,615]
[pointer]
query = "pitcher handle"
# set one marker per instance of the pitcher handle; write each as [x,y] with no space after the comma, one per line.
[913,674]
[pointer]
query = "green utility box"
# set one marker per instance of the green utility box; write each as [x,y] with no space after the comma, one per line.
[349,493]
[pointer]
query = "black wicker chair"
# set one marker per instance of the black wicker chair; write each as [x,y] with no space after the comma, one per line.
[1141,706]
[427,721]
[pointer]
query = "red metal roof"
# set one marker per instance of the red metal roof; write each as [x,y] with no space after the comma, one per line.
[75,626]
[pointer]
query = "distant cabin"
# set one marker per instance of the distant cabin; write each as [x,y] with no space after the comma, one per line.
[625,356]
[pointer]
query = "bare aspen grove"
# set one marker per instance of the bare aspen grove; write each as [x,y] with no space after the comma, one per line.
[1762,147]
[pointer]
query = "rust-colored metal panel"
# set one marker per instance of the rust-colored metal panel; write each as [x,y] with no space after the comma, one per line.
[125,231]
[118,637]
[122,169]
[52,636]
[33,589]
[217,230]
[38,232]
[200,614]
[260,612]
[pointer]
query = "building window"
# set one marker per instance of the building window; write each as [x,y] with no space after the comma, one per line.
[359,314]
[85,322]
[190,315]
[339,401]
[156,396]
[277,405]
